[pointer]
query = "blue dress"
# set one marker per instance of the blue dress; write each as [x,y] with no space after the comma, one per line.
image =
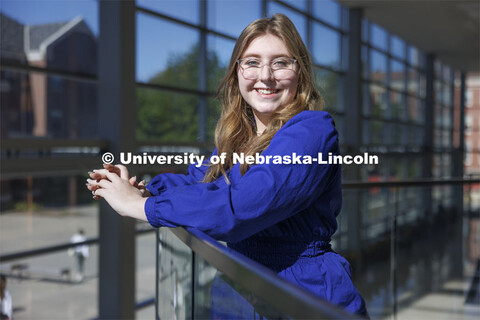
[280,215]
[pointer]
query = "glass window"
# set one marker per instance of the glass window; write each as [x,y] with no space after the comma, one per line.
[328,11]
[145,272]
[367,103]
[415,110]
[414,136]
[413,81]
[413,56]
[375,132]
[423,85]
[300,4]
[378,66]
[53,34]
[219,54]
[397,47]
[326,46]
[166,116]
[37,105]
[397,75]
[213,114]
[297,19]
[437,68]
[42,212]
[447,119]
[330,84]
[378,37]
[447,95]
[397,105]
[231,17]
[175,64]
[187,10]
[378,100]
[398,133]
[438,116]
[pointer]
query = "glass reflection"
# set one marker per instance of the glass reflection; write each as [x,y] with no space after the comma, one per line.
[175,277]
[378,37]
[413,81]
[231,17]
[219,53]
[397,47]
[378,100]
[52,34]
[330,84]
[297,19]
[326,46]
[378,66]
[375,132]
[181,9]
[300,4]
[398,133]
[328,11]
[175,64]
[35,104]
[167,116]
[397,105]
[397,75]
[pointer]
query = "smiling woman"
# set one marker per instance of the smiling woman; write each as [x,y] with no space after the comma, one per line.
[282,216]
[270,86]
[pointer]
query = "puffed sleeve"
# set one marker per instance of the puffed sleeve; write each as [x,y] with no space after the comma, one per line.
[265,195]
[164,181]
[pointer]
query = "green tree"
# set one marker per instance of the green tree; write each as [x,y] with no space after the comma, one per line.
[171,116]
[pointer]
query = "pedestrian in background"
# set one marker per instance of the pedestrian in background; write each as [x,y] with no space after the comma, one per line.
[80,253]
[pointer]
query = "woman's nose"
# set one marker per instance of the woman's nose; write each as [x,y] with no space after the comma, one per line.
[266,73]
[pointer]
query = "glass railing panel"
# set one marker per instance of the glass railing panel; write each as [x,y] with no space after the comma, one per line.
[224,284]
[145,272]
[48,286]
[218,297]
[174,291]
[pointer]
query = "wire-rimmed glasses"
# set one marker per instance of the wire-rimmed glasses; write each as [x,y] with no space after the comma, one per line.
[280,68]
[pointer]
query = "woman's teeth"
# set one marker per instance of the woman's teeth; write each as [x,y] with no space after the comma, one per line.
[267,91]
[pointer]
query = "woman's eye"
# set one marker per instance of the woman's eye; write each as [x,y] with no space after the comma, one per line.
[280,63]
[252,63]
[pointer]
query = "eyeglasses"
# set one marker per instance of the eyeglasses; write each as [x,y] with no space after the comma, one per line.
[280,68]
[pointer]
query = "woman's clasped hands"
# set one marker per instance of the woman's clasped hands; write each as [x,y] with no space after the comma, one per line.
[123,194]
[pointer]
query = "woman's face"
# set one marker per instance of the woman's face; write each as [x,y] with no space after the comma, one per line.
[267,94]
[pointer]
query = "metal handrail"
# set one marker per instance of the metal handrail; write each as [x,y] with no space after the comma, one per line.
[408,183]
[259,280]
[56,248]
[345,185]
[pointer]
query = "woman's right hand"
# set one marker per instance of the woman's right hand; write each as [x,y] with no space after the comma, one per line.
[122,172]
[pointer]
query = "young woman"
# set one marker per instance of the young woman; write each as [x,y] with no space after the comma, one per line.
[281,214]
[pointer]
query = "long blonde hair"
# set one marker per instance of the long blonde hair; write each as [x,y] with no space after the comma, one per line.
[235,131]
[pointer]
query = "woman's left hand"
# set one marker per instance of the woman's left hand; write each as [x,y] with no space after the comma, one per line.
[124,198]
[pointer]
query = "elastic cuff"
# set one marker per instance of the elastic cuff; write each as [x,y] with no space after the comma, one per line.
[150,212]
